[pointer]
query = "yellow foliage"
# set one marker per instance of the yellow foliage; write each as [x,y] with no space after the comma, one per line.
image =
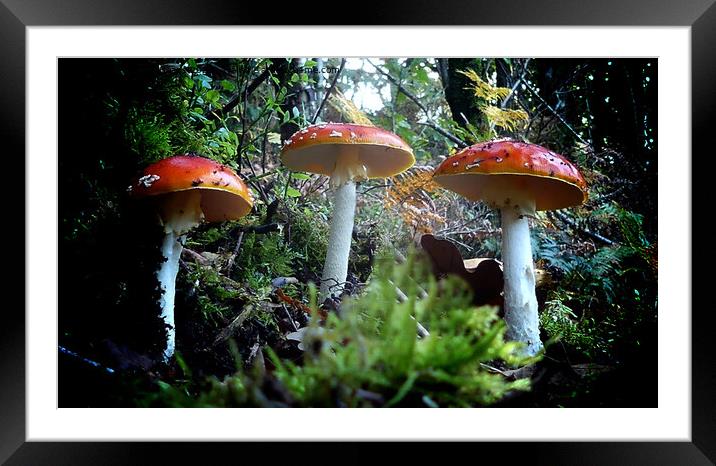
[409,194]
[504,117]
[274,138]
[482,89]
[347,109]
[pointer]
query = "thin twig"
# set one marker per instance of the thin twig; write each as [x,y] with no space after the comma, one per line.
[445,133]
[468,232]
[554,112]
[329,91]
[240,147]
[285,188]
[316,185]
[232,258]
[264,140]
[517,83]
[377,186]
[456,227]
[400,87]
[245,93]
[588,233]
[226,332]
[290,319]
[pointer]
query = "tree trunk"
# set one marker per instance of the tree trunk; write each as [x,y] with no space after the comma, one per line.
[460,100]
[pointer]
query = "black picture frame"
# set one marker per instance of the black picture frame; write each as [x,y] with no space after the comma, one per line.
[700,15]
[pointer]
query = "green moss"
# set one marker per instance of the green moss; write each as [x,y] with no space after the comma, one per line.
[264,256]
[211,309]
[370,354]
[309,234]
[211,234]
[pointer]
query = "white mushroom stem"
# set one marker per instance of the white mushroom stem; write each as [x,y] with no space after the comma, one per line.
[167,274]
[180,213]
[521,313]
[335,270]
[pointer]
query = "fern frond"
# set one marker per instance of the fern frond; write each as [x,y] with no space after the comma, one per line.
[410,195]
[488,96]
[483,89]
[347,109]
[506,118]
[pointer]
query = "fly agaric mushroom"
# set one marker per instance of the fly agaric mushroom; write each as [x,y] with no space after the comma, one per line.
[519,179]
[187,190]
[347,153]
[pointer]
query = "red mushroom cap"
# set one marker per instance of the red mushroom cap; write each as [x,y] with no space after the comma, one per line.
[312,149]
[484,170]
[224,196]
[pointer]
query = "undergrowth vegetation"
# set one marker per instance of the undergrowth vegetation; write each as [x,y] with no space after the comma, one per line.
[368,355]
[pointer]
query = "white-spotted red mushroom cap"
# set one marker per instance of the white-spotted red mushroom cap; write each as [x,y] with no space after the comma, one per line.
[315,149]
[488,170]
[224,196]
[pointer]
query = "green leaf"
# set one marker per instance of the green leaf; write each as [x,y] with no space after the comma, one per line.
[228,85]
[204,80]
[212,97]
[300,176]
[421,75]
[292,192]
[188,82]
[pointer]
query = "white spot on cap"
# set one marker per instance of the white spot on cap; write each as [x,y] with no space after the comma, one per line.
[148,180]
[313,135]
[455,164]
[353,135]
[335,134]
[300,138]
[304,131]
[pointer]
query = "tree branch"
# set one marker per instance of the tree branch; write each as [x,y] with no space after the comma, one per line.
[445,133]
[554,112]
[573,224]
[420,105]
[517,83]
[329,91]
[234,253]
[244,94]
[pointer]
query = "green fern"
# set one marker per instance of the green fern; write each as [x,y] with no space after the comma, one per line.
[488,97]
[561,322]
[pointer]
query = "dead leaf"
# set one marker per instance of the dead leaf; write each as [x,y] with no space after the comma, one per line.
[484,275]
